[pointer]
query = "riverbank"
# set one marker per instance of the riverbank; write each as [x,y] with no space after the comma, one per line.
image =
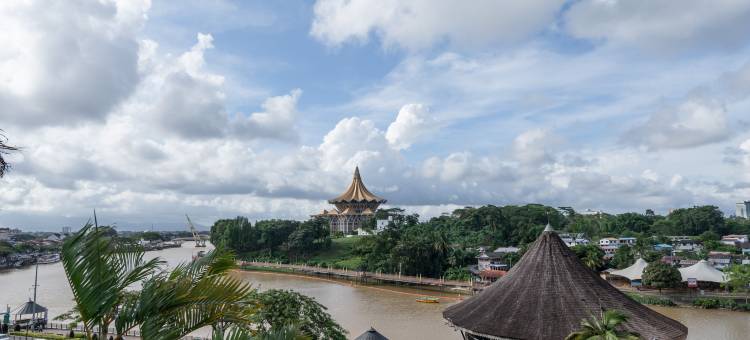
[710,300]
[360,277]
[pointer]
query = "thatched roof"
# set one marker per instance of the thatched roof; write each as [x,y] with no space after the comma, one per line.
[634,272]
[371,334]
[357,192]
[546,295]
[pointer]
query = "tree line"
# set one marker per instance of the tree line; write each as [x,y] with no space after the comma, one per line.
[444,245]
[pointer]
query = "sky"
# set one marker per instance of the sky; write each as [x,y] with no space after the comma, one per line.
[150,110]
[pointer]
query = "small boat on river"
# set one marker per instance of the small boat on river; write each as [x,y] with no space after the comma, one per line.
[427,299]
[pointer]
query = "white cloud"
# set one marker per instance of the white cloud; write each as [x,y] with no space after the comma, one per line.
[67,62]
[278,121]
[413,123]
[695,122]
[662,25]
[419,24]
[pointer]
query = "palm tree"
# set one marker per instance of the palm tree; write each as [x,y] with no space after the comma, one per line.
[4,150]
[192,296]
[99,269]
[170,304]
[604,328]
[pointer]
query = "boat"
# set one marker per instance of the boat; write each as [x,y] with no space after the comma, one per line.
[49,258]
[427,299]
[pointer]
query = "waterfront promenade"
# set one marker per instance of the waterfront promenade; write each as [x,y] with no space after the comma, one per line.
[369,277]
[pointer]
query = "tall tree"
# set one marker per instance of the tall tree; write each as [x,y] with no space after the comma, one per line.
[661,275]
[738,278]
[282,308]
[5,149]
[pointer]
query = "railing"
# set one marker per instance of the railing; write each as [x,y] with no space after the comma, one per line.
[79,328]
[363,274]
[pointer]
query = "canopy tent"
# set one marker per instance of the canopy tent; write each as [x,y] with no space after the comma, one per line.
[634,272]
[371,334]
[546,295]
[702,271]
[30,311]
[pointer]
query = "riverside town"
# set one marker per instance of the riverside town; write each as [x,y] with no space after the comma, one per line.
[372,170]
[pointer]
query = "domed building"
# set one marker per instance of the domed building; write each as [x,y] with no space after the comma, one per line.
[353,207]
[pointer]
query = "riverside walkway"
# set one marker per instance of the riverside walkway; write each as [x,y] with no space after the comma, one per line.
[363,276]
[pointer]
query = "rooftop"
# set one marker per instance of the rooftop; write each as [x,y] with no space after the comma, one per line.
[357,192]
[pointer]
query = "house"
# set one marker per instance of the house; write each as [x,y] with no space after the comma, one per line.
[491,261]
[663,247]
[687,245]
[380,225]
[7,233]
[609,241]
[674,239]
[719,259]
[745,247]
[55,238]
[732,240]
[627,241]
[507,250]
[572,240]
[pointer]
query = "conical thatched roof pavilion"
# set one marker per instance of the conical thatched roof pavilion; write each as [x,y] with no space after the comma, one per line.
[371,334]
[546,295]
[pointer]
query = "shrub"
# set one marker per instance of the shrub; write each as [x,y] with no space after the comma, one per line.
[706,303]
[651,300]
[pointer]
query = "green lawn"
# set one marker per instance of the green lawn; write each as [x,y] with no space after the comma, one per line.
[340,254]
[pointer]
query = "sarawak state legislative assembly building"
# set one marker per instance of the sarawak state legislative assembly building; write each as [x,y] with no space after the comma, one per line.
[355,206]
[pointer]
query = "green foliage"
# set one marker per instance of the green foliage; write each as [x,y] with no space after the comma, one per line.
[6,249]
[607,326]
[268,237]
[282,308]
[170,305]
[712,303]
[623,257]
[591,255]
[151,236]
[738,278]
[36,335]
[661,275]
[651,300]
[454,273]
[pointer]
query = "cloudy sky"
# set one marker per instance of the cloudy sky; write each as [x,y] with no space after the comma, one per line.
[150,110]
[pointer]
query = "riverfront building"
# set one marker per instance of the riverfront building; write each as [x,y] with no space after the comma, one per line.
[355,206]
[546,295]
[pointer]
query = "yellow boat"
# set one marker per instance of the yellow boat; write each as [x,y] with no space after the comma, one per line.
[427,299]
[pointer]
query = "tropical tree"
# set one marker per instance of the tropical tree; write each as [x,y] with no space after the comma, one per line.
[282,308]
[102,271]
[591,255]
[661,275]
[606,327]
[738,278]
[4,150]
[99,269]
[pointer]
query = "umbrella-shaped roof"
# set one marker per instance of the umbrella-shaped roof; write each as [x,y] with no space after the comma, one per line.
[634,272]
[29,308]
[371,334]
[547,294]
[702,271]
[357,192]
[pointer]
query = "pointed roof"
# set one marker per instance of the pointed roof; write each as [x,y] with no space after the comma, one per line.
[29,308]
[357,192]
[547,294]
[634,272]
[371,334]
[702,271]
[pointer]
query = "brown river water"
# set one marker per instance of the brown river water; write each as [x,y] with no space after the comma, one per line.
[392,310]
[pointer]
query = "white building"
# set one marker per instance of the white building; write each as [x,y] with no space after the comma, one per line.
[572,240]
[732,240]
[743,209]
[627,241]
[609,241]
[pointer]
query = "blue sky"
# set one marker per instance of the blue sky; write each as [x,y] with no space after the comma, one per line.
[148,110]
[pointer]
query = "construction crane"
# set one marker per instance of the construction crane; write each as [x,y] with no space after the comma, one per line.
[199,242]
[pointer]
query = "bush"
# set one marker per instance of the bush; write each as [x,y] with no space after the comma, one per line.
[651,300]
[46,335]
[710,303]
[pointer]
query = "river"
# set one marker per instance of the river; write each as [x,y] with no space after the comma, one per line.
[391,310]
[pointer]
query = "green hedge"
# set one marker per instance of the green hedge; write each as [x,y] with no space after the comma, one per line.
[711,303]
[47,335]
[651,300]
